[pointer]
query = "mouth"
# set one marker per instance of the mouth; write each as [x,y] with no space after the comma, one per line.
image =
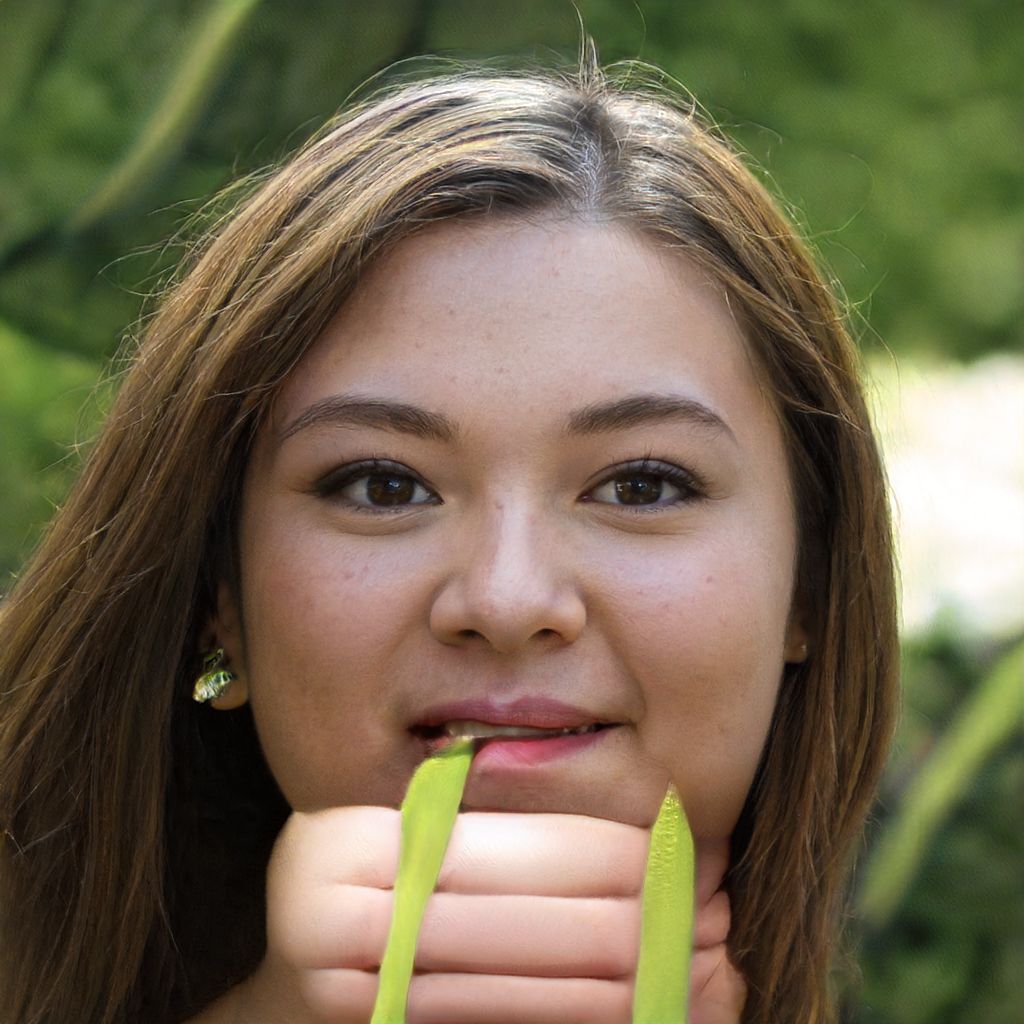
[445,732]
[526,731]
[517,748]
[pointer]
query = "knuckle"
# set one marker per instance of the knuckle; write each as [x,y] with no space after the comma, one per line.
[713,921]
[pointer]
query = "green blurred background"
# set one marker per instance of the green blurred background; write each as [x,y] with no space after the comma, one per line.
[895,131]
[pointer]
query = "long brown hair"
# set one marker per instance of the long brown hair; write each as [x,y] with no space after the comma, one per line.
[138,825]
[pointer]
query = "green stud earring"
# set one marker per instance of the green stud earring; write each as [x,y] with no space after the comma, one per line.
[215,678]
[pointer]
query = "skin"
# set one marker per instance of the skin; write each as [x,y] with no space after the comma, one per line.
[519,560]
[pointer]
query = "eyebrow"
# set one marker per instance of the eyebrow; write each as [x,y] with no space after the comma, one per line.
[646,408]
[598,417]
[356,411]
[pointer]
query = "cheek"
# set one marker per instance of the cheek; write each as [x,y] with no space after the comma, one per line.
[324,625]
[705,646]
[313,605]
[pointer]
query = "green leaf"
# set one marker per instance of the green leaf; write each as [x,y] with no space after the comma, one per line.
[994,713]
[170,122]
[666,930]
[428,817]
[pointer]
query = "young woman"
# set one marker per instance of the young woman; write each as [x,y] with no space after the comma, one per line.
[510,402]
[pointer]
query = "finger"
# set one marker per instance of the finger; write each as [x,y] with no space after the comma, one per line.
[713,919]
[489,852]
[339,844]
[345,996]
[718,991]
[544,855]
[712,862]
[339,995]
[544,936]
[469,999]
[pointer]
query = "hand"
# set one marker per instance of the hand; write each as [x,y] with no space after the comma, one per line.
[717,989]
[535,919]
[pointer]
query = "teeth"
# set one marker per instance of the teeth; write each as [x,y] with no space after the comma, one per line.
[481,730]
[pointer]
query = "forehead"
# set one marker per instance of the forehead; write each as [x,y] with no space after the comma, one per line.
[501,319]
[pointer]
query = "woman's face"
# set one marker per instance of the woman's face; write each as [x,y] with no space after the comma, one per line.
[528,476]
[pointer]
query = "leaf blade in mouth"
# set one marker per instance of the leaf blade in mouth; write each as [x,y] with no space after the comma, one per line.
[429,810]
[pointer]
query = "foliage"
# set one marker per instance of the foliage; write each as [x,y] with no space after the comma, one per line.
[42,399]
[947,940]
[894,129]
[993,713]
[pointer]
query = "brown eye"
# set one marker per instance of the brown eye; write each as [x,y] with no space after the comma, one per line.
[639,489]
[648,485]
[389,489]
[375,486]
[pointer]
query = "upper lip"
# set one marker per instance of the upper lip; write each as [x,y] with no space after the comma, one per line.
[536,712]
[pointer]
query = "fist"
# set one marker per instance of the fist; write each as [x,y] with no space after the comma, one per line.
[535,919]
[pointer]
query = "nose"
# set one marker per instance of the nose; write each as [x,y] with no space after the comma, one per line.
[511,585]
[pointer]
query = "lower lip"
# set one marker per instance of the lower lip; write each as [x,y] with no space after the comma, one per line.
[513,753]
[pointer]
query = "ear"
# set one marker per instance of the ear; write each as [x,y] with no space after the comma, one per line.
[797,638]
[225,630]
